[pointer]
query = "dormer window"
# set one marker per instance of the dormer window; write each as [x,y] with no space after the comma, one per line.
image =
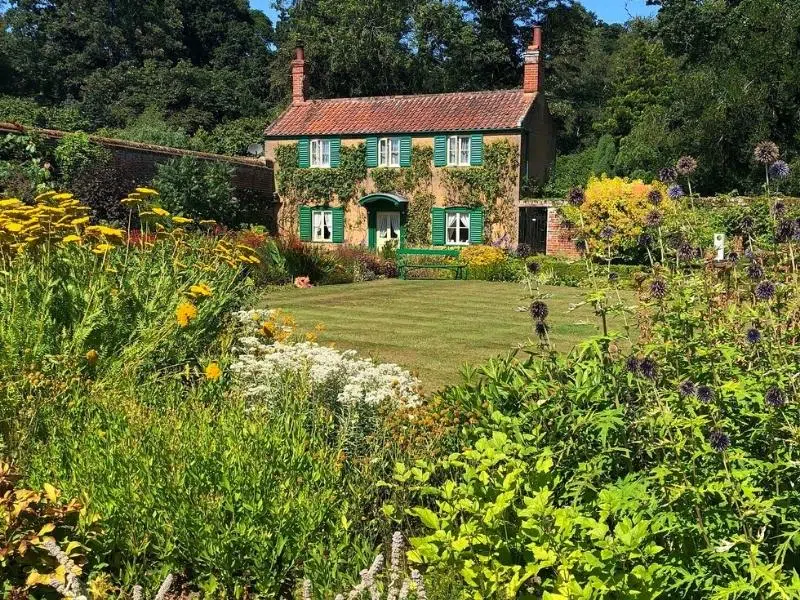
[458,151]
[320,154]
[389,152]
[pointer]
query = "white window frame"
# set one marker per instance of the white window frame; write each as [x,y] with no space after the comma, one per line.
[320,154]
[389,152]
[320,237]
[458,227]
[459,151]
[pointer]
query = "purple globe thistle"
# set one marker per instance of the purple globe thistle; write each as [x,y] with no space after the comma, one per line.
[581,245]
[667,175]
[779,170]
[779,208]
[613,277]
[733,256]
[765,290]
[746,224]
[576,196]
[755,271]
[796,230]
[534,267]
[541,329]
[645,239]
[655,197]
[753,336]
[648,368]
[705,394]
[607,232]
[686,251]
[686,165]
[785,230]
[654,218]
[658,289]
[687,389]
[632,364]
[766,152]
[539,310]
[675,191]
[774,397]
[719,440]
[749,254]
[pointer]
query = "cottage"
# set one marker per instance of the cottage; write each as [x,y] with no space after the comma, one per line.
[431,169]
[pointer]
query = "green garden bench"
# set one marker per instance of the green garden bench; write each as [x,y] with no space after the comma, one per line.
[403,266]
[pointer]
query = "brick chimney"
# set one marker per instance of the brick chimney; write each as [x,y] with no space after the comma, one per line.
[532,80]
[299,75]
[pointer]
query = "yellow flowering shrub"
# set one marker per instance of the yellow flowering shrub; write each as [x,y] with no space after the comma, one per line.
[619,203]
[185,313]
[482,256]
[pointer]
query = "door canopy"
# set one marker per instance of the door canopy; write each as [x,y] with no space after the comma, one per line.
[397,200]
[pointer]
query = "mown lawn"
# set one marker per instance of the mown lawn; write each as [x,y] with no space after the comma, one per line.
[433,327]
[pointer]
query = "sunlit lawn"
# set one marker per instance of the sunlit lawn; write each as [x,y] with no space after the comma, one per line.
[433,327]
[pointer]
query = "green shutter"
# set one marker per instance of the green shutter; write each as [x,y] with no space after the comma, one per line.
[305,223]
[304,153]
[476,150]
[372,225]
[476,226]
[338,225]
[336,152]
[437,226]
[440,151]
[372,152]
[405,151]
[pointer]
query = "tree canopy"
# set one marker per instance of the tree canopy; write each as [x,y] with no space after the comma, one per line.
[704,77]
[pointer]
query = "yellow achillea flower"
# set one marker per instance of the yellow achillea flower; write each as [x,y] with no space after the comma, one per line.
[63,196]
[45,196]
[80,221]
[182,220]
[146,191]
[131,202]
[71,238]
[208,222]
[106,232]
[91,357]
[185,313]
[102,248]
[213,372]
[10,203]
[201,289]
[159,211]
[13,226]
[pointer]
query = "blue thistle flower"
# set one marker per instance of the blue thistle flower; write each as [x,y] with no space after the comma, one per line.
[645,239]
[765,290]
[686,165]
[733,256]
[675,191]
[705,394]
[576,196]
[780,170]
[746,224]
[755,271]
[648,368]
[753,336]
[719,440]
[779,208]
[687,389]
[654,218]
[685,251]
[607,232]
[655,197]
[632,364]
[774,398]
[581,245]
[613,277]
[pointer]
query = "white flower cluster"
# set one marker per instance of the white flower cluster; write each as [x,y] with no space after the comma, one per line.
[343,375]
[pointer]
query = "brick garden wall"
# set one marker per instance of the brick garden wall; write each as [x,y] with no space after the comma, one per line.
[560,237]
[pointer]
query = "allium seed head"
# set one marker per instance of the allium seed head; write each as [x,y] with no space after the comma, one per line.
[755,271]
[719,440]
[654,218]
[766,152]
[576,196]
[632,364]
[607,232]
[686,165]
[765,290]
[746,224]
[686,251]
[667,175]
[655,197]
[784,232]
[539,310]
[658,289]
[645,239]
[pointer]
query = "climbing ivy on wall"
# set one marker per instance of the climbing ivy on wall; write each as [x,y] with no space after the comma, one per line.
[313,186]
[406,180]
[418,224]
[490,186]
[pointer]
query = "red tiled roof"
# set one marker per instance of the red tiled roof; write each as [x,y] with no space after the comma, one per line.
[461,111]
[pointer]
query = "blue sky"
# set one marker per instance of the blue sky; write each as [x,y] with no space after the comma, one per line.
[611,11]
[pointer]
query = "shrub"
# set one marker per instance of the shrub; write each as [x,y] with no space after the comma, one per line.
[76,154]
[571,170]
[198,189]
[101,187]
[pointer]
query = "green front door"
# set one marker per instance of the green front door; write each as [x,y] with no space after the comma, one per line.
[385,224]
